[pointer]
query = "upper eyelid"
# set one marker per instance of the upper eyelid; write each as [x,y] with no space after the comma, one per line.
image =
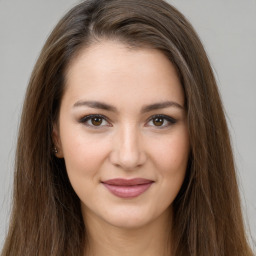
[166,117]
[163,116]
[84,118]
[105,117]
[170,122]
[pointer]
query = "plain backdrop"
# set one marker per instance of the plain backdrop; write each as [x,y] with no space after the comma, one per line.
[227,29]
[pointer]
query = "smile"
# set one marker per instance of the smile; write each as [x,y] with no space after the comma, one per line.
[127,188]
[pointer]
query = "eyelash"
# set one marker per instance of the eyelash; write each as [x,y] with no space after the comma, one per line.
[170,120]
[85,119]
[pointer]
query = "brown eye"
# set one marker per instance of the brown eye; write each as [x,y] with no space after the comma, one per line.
[161,121]
[96,121]
[158,121]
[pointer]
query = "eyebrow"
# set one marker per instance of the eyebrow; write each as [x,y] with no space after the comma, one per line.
[145,109]
[96,104]
[161,105]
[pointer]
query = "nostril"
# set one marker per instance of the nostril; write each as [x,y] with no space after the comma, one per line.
[127,160]
[127,151]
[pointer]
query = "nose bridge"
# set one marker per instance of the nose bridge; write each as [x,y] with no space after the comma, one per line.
[129,140]
[128,150]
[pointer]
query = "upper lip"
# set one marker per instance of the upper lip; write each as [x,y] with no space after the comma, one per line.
[127,182]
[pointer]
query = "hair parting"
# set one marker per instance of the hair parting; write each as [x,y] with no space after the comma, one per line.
[46,216]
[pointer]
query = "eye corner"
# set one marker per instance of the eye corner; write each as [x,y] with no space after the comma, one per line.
[88,118]
[165,121]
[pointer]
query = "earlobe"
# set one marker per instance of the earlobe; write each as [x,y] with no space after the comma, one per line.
[57,149]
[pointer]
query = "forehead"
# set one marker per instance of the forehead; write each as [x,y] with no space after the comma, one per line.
[111,71]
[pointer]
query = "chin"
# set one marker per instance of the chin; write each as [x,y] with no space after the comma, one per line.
[128,222]
[132,218]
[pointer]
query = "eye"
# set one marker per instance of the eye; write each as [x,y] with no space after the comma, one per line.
[95,121]
[161,121]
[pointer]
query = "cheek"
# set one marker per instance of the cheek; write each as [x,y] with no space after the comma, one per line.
[83,153]
[170,159]
[172,152]
[84,157]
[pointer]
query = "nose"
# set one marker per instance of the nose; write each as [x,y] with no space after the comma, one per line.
[128,150]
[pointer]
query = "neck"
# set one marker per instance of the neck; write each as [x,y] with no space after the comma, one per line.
[105,239]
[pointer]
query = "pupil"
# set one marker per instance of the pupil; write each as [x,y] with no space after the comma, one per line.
[158,121]
[97,121]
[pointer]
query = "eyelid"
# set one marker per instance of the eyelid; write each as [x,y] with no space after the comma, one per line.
[169,119]
[86,118]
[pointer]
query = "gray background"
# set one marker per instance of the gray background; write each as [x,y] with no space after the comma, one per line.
[228,31]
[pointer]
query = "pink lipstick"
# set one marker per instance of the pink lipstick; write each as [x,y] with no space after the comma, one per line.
[127,188]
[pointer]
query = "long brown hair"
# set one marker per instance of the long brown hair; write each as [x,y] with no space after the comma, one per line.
[46,217]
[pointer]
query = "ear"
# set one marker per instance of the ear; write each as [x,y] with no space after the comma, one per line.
[57,150]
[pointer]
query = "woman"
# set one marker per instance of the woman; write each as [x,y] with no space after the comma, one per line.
[123,145]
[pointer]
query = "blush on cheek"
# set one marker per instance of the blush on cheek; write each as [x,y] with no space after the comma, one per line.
[128,149]
[85,156]
[171,154]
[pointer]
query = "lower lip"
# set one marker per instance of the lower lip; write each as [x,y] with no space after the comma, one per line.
[128,191]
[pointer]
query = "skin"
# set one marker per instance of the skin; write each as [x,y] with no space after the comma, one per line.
[128,143]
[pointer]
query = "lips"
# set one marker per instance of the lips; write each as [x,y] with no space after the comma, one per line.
[127,188]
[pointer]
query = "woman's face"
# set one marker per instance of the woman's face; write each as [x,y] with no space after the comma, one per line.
[123,134]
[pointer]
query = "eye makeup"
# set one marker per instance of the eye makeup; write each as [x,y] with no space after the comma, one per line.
[97,121]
